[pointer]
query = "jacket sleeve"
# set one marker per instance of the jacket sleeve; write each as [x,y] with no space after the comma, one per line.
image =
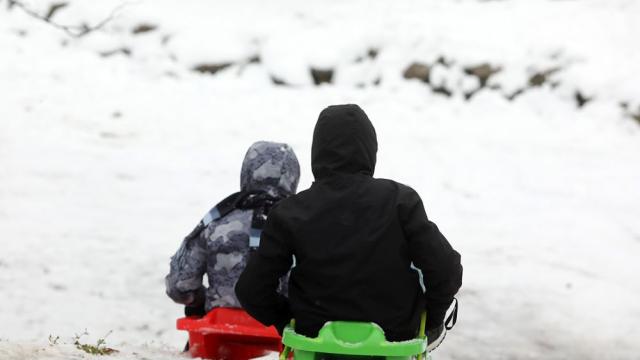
[188,265]
[257,286]
[432,254]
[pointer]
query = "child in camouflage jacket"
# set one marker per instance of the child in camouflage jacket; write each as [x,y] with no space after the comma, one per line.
[222,241]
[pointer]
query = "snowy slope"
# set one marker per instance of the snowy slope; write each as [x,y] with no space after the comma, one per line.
[106,162]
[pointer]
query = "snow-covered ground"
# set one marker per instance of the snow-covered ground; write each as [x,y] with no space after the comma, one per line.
[107,161]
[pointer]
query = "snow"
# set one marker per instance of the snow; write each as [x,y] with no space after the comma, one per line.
[107,162]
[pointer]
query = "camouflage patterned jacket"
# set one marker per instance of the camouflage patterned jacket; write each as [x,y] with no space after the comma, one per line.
[221,249]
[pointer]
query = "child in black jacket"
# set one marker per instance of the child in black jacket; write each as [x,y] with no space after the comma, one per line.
[358,242]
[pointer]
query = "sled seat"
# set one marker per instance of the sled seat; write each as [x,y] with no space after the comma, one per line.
[229,334]
[349,340]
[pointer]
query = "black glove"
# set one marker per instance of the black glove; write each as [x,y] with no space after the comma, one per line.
[196,307]
[195,311]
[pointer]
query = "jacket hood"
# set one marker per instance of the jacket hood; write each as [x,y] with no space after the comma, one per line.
[271,167]
[344,141]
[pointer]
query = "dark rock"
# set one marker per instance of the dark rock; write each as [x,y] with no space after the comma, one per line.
[541,77]
[442,90]
[470,94]
[321,76]
[581,99]
[515,94]
[210,68]
[537,79]
[278,81]
[372,53]
[143,28]
[255,59]
[444,61]
[418,71]
[483,72]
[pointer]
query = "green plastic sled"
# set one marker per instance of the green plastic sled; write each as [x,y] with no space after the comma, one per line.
[350,340]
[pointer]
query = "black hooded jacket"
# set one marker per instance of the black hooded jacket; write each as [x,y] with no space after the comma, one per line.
[354,239]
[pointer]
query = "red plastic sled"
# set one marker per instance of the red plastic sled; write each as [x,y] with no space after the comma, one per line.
[229,334]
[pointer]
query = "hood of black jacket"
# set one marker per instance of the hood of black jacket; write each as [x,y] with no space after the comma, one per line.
[344,141]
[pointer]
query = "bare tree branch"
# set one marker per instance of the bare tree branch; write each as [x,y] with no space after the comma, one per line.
[54,8]
[75,31]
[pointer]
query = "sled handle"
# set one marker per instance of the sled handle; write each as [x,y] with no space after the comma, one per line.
[423,323]
[287,349]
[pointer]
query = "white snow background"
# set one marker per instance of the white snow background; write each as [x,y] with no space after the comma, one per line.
[112,148]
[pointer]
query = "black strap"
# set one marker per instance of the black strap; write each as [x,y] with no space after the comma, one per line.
[259,201]
[453,317]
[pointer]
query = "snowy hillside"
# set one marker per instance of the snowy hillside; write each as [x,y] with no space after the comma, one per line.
[518,123]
